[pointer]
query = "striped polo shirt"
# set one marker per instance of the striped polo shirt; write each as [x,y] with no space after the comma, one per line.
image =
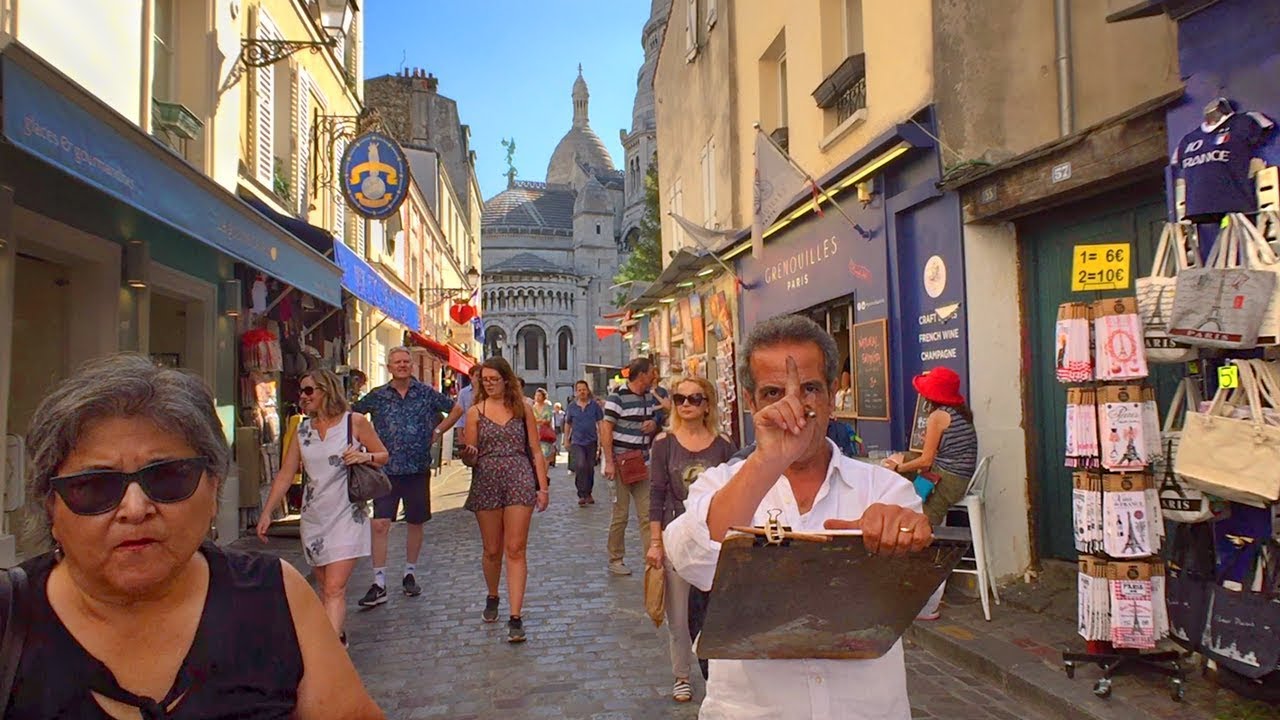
[627,411]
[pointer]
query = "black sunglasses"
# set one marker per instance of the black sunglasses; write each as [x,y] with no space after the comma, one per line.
[307,390]
[98,491]
[695,400]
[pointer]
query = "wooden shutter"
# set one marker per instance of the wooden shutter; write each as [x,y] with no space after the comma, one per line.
[263,112]
[339,201]
[302,150]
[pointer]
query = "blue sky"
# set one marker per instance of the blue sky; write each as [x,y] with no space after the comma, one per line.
[511,64]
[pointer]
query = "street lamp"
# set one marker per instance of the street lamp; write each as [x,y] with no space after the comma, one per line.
[437,294]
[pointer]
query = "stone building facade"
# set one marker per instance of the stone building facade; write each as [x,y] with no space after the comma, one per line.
[550,252]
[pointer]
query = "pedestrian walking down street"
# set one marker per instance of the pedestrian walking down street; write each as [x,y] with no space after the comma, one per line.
[582,440]
[691,444]
[544,417]
[557,424]
[406,413]
[509,480]
[335,531]
[625,437]
[466,397]
[125,461]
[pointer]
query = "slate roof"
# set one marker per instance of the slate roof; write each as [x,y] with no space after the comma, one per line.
[532,206]
[529,263]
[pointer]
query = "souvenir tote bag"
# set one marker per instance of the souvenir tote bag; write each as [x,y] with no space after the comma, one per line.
[1222,305]
[1258,255]
[1179,501]
[1236,459]
[1155,297]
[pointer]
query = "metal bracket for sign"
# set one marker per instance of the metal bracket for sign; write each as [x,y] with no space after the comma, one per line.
[326,132]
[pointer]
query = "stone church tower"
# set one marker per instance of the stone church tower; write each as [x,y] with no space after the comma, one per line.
[642,142]
[550,252]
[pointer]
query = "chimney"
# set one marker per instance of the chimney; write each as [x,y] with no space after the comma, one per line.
[433,82]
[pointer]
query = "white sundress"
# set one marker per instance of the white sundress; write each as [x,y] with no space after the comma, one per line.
[333,527]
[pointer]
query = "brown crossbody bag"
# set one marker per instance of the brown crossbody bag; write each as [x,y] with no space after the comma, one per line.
[631,465]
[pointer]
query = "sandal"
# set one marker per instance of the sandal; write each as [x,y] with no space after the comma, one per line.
[682,691]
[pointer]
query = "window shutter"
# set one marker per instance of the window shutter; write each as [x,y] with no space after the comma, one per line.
[264,79]
[302,152]
[362,244]
[691,25]
[713,208]
[339,201]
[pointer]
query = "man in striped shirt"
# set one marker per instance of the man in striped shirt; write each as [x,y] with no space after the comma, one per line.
[628,426]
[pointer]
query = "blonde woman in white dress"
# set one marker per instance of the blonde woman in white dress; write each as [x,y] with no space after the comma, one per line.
[335,531]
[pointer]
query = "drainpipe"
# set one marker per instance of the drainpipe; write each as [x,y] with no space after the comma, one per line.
[1062,39]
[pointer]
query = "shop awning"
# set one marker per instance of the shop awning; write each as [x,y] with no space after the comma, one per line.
[678,277]
[452,356]
[365,283]
[53,119]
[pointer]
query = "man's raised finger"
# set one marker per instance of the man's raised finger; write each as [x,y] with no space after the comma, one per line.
[793,377]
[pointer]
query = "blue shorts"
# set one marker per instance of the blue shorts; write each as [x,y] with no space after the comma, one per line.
[414,490]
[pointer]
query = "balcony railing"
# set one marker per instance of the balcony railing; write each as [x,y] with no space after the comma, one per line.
[845,89]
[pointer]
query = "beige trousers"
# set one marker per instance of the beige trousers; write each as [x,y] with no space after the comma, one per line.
[625,496]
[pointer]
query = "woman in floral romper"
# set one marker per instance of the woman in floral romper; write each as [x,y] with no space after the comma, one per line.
[509,480]
[335,531]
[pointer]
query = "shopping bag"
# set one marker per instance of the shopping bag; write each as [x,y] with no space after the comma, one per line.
[1243,625]
[1179,501]
[1222,305]
[1155,296]
[1236,459]
[1258,255]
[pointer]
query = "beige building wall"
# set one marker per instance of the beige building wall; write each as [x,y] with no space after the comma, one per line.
[814,37]
[694,87]
[997,71]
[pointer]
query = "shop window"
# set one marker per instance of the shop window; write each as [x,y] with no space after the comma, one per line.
[565,341]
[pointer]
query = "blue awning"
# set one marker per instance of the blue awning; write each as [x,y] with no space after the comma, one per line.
[53,119]
[364,282]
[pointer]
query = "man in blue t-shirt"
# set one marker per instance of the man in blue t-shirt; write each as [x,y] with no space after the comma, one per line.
[582,440]
[1213,162]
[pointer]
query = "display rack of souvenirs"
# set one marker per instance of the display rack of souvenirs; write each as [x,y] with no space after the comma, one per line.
[1112,439]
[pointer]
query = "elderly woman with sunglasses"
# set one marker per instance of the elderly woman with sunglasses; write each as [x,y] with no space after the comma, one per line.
[692,444]
[335,531]
[134,613]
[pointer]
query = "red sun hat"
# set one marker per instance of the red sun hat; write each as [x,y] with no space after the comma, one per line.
[940,385]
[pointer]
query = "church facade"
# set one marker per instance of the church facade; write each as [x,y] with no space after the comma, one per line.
[550,252]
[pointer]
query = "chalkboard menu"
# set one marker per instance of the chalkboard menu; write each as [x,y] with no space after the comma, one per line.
[918,424]
[871,370]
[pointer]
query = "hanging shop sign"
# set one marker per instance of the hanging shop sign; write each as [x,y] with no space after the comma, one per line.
[375,175]
[1100,267]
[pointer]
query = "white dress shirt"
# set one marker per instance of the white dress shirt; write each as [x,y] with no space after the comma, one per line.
[795,689]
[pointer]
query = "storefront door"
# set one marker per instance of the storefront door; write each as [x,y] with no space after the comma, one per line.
[1135,215]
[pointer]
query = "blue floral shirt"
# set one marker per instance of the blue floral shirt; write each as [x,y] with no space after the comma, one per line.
[405,424]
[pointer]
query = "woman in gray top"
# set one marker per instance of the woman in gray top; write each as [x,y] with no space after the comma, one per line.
[678,457]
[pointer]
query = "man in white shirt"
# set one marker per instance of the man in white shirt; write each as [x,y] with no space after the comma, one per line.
[788,372]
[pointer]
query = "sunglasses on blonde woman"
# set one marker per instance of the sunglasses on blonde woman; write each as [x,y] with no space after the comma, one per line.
[695,399]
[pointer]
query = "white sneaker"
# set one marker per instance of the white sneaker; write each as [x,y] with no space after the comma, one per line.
[617,568]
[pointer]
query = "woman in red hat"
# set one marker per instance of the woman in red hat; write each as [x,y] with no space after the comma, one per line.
[942,470]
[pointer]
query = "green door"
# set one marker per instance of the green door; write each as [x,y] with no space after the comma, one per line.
[1136,216]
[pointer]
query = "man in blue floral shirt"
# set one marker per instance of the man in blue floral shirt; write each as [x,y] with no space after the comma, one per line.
[405,414]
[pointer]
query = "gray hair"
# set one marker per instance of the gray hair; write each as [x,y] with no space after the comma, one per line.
[785,329]
[123,385]
[399,349]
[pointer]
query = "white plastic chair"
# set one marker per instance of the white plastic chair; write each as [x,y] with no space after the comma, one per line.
[971,504]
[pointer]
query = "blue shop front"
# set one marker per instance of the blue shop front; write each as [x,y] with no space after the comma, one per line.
[887,281]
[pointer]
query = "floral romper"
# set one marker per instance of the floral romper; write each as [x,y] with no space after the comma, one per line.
[333,527]
[503,474]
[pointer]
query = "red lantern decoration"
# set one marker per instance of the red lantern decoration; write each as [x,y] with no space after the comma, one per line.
[462,312]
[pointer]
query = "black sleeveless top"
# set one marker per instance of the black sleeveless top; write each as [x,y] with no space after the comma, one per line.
[244,661]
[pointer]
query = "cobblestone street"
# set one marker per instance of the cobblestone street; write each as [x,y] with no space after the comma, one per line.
[592,652]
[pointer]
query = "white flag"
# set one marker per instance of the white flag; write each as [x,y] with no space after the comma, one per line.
[710,239]
[777,183]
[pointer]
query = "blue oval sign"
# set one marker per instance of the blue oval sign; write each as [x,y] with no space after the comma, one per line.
[375,175]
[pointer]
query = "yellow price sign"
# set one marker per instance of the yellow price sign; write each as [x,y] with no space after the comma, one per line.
[1100,267]
[1229,376]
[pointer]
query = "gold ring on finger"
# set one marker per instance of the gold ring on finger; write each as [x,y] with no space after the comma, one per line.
[906,530]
